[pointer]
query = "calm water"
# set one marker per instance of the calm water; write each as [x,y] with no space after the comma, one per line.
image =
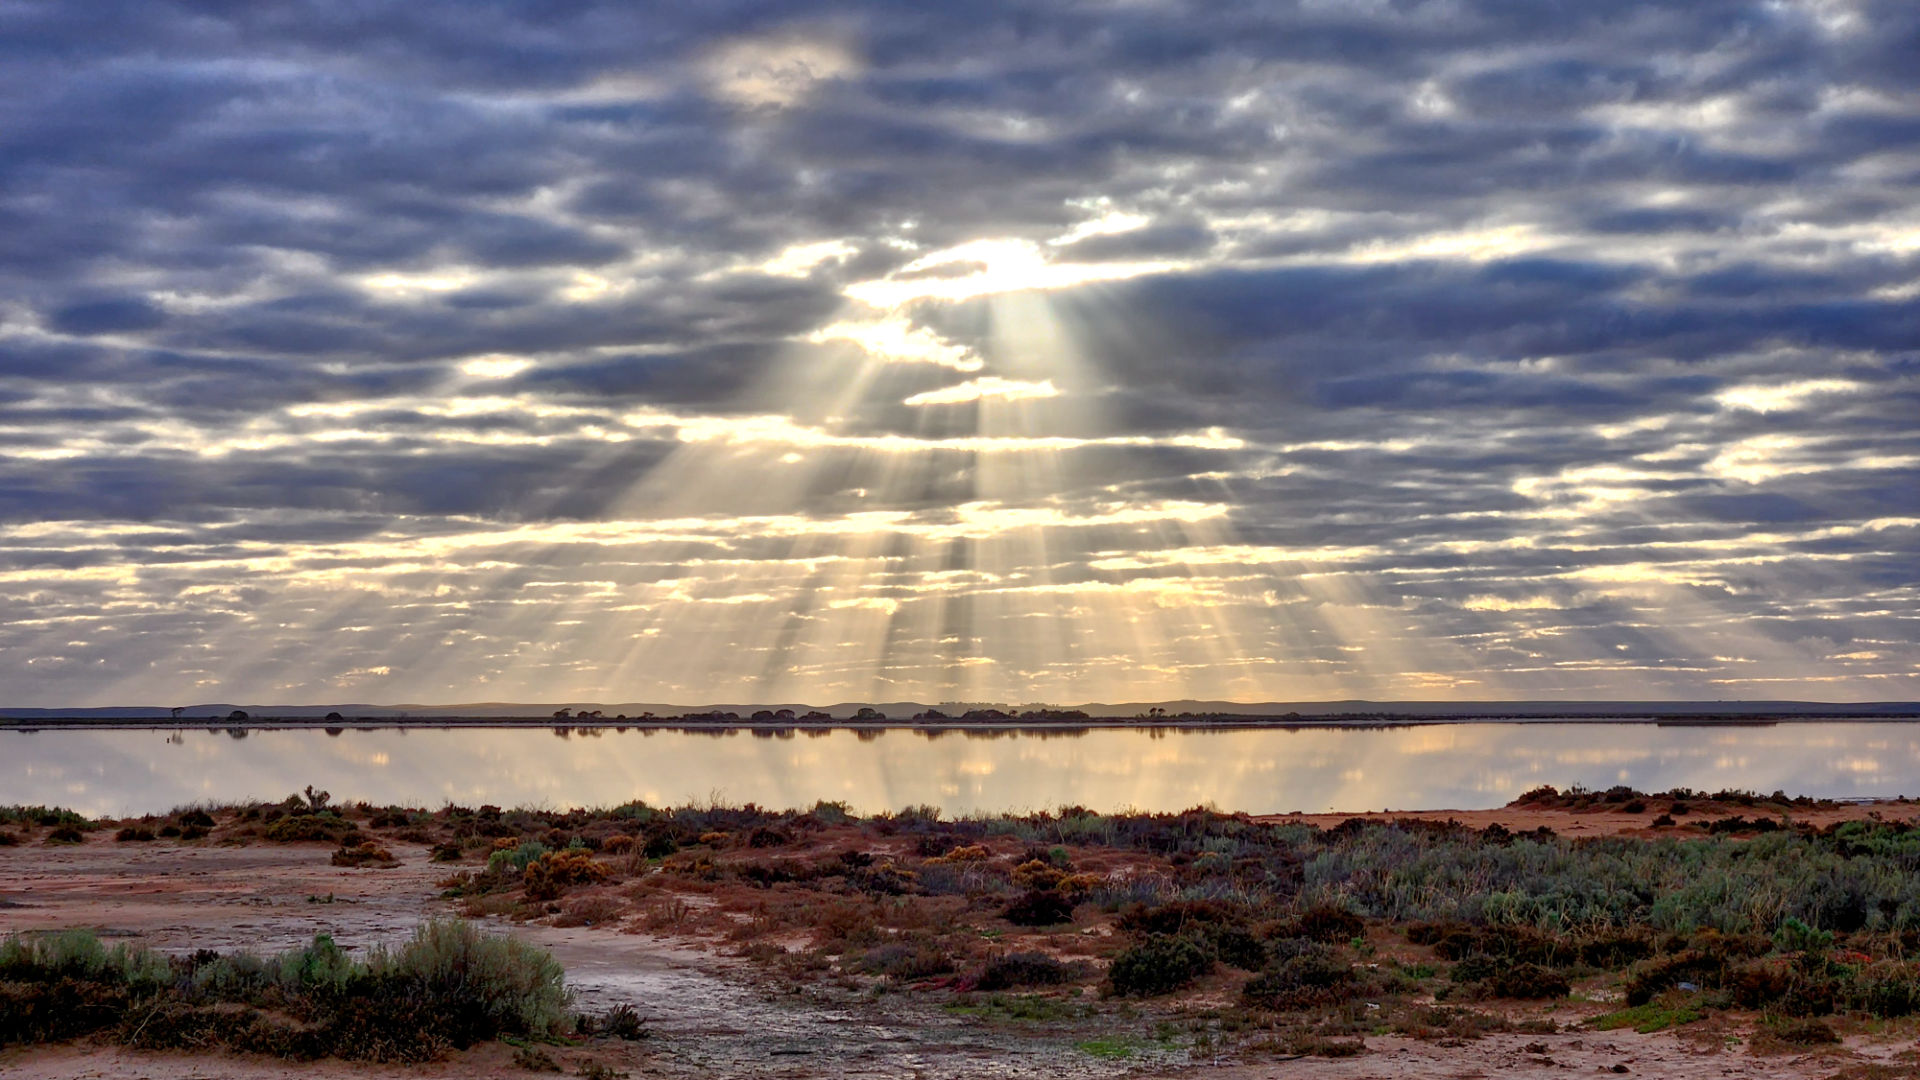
[1456,766]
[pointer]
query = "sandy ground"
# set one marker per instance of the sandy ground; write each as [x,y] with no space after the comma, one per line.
[714,1016]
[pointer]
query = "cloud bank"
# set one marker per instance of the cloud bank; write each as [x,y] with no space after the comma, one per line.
[1059,352]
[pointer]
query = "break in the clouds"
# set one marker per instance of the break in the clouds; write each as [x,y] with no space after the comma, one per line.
[456,351]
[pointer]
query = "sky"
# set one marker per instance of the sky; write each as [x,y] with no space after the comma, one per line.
[1053,352]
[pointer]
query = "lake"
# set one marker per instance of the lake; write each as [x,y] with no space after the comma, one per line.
[1434,766]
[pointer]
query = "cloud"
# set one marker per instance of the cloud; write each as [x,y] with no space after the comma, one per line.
[1313,350]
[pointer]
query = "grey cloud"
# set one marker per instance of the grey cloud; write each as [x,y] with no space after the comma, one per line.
[194,198]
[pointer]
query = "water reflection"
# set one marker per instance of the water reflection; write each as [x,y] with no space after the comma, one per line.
[1462,766]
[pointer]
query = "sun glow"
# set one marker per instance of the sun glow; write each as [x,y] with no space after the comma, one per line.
[945,573]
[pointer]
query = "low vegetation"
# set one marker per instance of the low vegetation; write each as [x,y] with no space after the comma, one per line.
[447,988]
[1315,937]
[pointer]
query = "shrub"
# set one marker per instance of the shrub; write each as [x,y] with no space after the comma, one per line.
[515,858]
[1885,990]
[1330,925]
[367,854]
[905,960]
[1797,936]
[449,986]
[1034,874]
[66,834]
[1708,962]
[306,828]
[1023,969]
[1311,980]
[1176,918]
[482,986]
[557,871]
[1238,946]
[1160,964]
[620,1022]
[882,879]
[1805,1033]
[132,834]
[966,853]
[1528,982]
[1039,907]
[42,815]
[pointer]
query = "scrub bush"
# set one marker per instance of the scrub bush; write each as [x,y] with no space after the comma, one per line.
[306,828]
[1313,979]
[557,871]
[905,960]
[367,854]
[1022,969]
[1038,907]
[1160,964]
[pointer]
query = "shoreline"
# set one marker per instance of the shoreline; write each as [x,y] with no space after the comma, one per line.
[1221,722]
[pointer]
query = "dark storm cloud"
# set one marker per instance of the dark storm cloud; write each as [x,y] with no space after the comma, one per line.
[1521,321]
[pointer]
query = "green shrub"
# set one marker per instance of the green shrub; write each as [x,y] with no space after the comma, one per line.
[1797,936]
[449,986]
[1528,982]
[323,967]
[483,985]
[1160,964]
[306,828]
[43,816]
[1311,980]
[516,860]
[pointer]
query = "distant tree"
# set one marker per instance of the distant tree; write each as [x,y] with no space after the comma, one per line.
[334,718]
[868,712]
[562,714]
[238,716]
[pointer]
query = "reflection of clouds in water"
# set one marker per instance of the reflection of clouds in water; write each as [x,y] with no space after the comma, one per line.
[1460,767]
